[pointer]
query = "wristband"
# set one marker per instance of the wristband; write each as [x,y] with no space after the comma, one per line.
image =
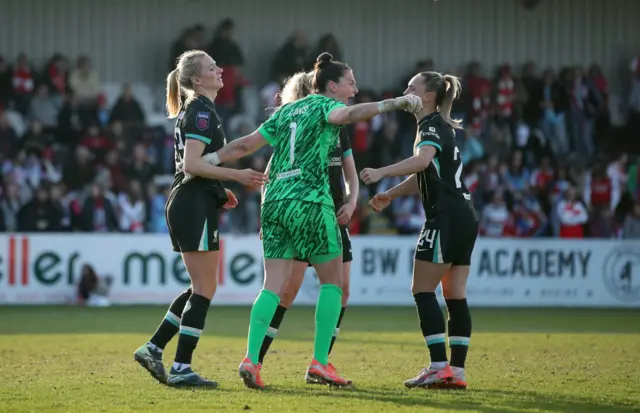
[212,158]
[386,105]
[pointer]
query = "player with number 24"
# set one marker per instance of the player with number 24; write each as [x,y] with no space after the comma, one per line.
[444,249]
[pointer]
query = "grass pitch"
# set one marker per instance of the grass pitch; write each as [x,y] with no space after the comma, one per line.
[66,359]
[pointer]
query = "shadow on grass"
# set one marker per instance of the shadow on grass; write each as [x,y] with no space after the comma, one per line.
[482,400]
[299,321]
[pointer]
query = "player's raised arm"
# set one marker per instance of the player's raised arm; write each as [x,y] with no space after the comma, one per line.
[334,79]
[362,111]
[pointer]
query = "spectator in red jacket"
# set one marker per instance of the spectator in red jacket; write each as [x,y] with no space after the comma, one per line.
[572,215]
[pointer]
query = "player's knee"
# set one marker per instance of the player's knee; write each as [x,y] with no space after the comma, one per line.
[345,296]
[423,286]
[204,286]
[207,290]
[453,290]
[454,284]
[286,298]
[345,291]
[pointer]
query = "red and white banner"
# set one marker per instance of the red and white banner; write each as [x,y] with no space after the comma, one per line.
[45,269]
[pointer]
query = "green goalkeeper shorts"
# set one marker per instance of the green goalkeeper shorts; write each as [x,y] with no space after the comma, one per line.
[306,231]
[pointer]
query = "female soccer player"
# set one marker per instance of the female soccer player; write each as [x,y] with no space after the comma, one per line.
[340,159]
[192,213]
[445,245]
[298,217]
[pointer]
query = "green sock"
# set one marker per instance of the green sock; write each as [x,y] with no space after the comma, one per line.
[261,314]
[327,314]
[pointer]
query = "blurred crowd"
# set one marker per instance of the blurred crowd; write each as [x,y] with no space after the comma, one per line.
[541,155]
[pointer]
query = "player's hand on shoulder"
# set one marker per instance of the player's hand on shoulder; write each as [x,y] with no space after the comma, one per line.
[380,201]
[249,177]
[232,200]
[410,103]
[370,175]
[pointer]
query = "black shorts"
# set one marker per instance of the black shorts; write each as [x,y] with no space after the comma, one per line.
[346,246]
[449,237]
[192,217]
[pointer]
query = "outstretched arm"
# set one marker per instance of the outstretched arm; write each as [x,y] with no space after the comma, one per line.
[241,147]
[412,165]
[415,164]
[408,187]
[195,165]
[362,111]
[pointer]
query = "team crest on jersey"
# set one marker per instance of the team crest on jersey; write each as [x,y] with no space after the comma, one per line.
[202,120]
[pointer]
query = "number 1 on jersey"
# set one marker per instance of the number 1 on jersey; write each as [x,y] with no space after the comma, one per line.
[293,126]
[456,151]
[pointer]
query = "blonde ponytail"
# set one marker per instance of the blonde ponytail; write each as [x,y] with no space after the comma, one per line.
[180,79]
[173,94]
[453,89]
[296,87]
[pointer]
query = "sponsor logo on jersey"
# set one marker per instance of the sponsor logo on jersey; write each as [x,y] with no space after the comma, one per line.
[290,174]
[423,134]
[335,161]
[202,120]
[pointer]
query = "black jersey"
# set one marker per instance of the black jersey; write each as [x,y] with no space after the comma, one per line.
[342,150]
[440,183]
[198,120]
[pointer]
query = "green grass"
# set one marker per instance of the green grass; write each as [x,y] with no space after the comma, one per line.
[68,359]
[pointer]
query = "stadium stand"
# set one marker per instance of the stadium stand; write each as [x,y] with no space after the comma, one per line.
[542,156]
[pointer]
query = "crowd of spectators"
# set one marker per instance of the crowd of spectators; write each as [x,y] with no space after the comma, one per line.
[541,155]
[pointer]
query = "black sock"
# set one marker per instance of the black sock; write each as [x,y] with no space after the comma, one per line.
[459,330]
[271,332]
[337,330]
[432,325]
[191,327]
[171,323]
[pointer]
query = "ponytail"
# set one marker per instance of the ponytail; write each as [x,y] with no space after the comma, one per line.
[173,94]
[180,80]
[296,87]
[452,92]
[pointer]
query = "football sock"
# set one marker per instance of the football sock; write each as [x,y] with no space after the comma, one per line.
[262,312]
[459,330]
[432,326]
[337,330]
[193,318]
[327,315]
[171,324]
[271,332]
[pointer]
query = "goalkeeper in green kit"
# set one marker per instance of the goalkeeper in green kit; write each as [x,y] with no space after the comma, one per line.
[298,217]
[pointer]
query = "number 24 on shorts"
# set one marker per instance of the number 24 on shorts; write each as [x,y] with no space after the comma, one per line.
[427,239]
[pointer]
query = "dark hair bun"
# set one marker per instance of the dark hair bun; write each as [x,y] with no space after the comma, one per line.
[324,59]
